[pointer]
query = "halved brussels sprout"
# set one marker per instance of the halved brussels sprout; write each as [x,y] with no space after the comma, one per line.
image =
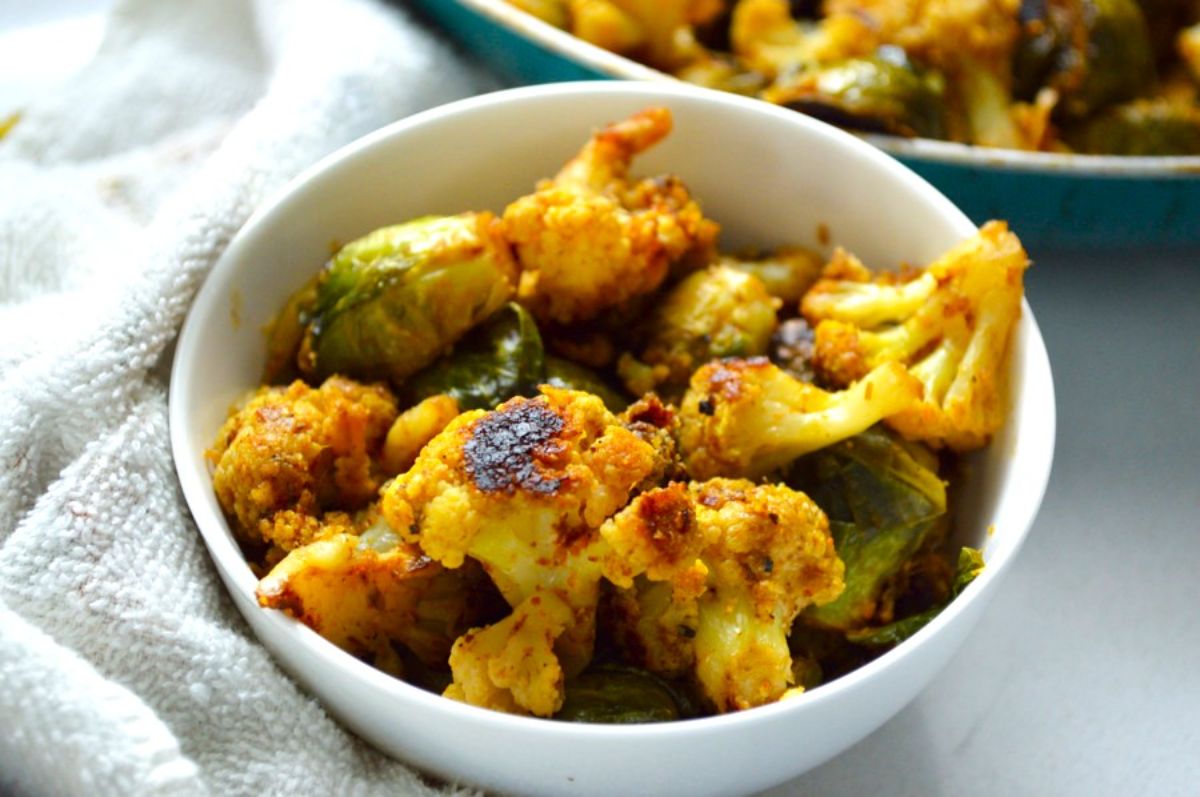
[1144,127]
[1092,52]
[390,303]
[611,693]
[884,500]
[718,312]
[498,360]
[883,93]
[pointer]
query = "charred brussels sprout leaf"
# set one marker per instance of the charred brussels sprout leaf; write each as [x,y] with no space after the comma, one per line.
[884,93]
[498,360]
[615,694]
[391,302]
[1145,127]
[970,565]
[884,500]
[566,374]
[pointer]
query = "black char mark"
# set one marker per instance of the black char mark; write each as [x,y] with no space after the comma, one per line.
[505,445]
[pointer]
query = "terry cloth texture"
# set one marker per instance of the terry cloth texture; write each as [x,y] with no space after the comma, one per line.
[124,666]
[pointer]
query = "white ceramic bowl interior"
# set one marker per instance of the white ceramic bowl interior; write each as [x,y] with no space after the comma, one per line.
[769,176]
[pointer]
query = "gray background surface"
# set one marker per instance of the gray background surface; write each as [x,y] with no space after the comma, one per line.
[1083,678]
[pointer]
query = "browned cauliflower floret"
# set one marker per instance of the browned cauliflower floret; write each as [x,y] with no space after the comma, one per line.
[749,417]
[523,489]
[302,450]
[713,574]
[589,240]
[364,592]
[949,324]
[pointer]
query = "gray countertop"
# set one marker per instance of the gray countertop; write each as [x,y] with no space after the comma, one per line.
[1083,677]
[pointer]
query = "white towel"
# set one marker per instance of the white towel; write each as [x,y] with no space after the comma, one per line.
[124,667]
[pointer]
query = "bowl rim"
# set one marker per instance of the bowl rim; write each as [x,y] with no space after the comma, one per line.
[572,48]
[235,572]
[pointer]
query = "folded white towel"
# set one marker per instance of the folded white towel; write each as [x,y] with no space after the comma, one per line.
[124,667]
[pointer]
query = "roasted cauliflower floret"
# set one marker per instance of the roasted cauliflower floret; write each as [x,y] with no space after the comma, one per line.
[589,239]
[769,40]
[363,593]
[511,665]
[713,574]
[948,324]
[749,417]
[717,312]
[303,450]
[523,489]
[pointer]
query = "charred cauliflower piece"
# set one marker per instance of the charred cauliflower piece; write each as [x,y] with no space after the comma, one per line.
[948,324]
[713,574]
[747,417]
[523,489]
[589,239]
[364,592]
[301,451]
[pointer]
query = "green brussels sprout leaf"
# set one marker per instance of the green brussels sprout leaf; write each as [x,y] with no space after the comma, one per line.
[563,373]
[500,359]
[970,565]
[884,501]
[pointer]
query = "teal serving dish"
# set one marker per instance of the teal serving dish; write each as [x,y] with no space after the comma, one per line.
[1052,200]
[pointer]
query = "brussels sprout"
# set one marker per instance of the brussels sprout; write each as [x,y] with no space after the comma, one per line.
[612,693]
[566,374]
[1145,127]
[884,501]
[391,302]
[884,93]
[286,333]
[494,362]
[786,272]
[970,565]
[1092,52]
[710,314]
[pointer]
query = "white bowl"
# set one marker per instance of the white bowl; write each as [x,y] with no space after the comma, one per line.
[769,176]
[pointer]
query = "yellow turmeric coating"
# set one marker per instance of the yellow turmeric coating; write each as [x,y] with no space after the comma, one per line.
[590,239]
[300,449]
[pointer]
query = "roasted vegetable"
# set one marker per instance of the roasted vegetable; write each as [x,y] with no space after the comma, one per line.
[725,567]
[714,313]
[748,417]
[949,324]
[413,428]
[290,454]
[883,93]
[970,565]
[365,593]
[500,359]
[884,499]
[523,490]
[392,302]
[563,373]
[1144,127]
[590,239]
[1093,53]
[615,694]
[786,272]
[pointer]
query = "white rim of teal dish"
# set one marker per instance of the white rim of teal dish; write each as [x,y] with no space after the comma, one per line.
[574,49]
